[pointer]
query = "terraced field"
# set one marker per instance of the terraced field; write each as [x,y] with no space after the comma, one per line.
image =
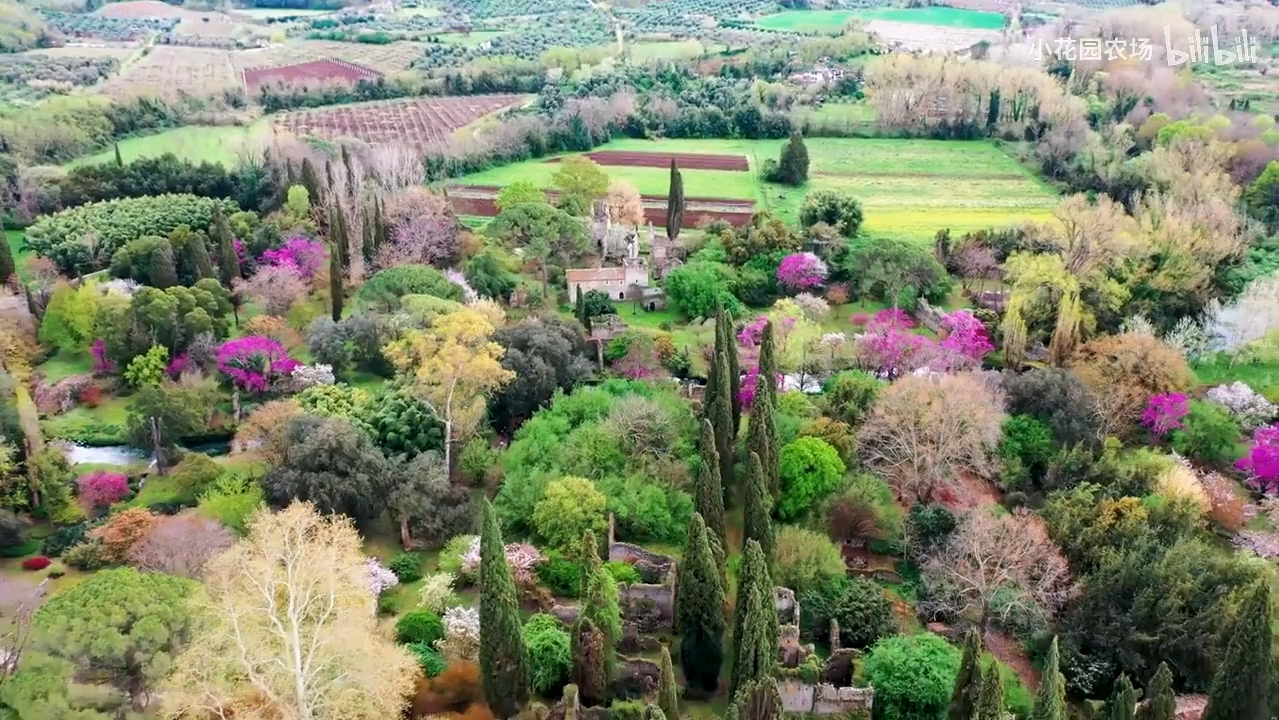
[909,188]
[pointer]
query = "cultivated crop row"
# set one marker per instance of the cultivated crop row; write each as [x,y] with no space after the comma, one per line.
[420,122]
[316,71]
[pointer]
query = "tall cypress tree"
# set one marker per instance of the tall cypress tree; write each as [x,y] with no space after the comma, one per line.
[1050,703]
[724,320]
[311,181]
[1241,687]
[1161,700]
[601,605]
[759,699]
[674,204]
[755,627]
[503,656]
[709,500]
[1123,701]
[761,435]
[667,689]
[228,261]
[991,705]
[335,284]
[163,272]
[119,161]
[699,611]
[198,255]
[722,422]
[968,683]
[337,235]
[368,235]
[758,508]
[7,267]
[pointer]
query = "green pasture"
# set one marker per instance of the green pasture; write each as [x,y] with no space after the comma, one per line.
[197,143]
[471,39]
[823,21]
[665,50]
[269,13]
[908,188]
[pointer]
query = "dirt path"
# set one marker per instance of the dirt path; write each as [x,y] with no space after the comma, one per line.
[1008,651]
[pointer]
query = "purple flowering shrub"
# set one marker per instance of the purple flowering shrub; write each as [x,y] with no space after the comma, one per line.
[255,363]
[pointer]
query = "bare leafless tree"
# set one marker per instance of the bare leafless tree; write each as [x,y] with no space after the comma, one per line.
[19,601]
[180,545]
[993,567]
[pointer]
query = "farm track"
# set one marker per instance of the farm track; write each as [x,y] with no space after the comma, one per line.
[419,122]
[481,200]
[687,161]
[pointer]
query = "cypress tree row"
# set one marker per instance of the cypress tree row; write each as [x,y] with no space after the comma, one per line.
[1050,702]
[1123,701]
[667,690]
[761,435]
[674,206]
[228,261]
[7,266]
[503,656]
[1161,700]
[311,181]
[335,283]
[699,611]
[758,523]
[709,499]
[734,366]
[722,422]
[755,626]
[991,704]
[968,683]
[1241,687]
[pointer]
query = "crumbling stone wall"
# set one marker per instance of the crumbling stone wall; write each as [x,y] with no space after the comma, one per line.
[656,592]
[824,698]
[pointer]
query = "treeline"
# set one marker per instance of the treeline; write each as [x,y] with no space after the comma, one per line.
[278,98]
[61,129]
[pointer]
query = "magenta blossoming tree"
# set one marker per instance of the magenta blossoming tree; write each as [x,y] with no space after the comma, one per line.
[300,254]
[889,347]
[1262,460]
[965,344]
[254,363]
[1164,413]
[102,364]
[178,365]
[100,489]
[801,271]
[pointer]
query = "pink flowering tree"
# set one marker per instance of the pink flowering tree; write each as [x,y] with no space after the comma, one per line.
[749,339]
[178,365]
[889,346]
[801,271]
[102,365]
[1164,413]
[966,343]
[255,363]
[1262,461]
[101,489]
[299,254]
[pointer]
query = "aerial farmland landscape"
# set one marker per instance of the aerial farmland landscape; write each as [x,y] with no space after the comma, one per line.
[639,360]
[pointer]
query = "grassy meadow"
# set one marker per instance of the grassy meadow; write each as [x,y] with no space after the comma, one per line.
[197,143]
[908,188]
[827,21]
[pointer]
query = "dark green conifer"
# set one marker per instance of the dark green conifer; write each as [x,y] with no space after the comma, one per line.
[197,248]
[700,611]
[758,700]
[722,422]
[601,605]
[1050,702]
[755,626]
[1161,699]
[674,207]
[792,167]
[991,706]
[709,498]
[1241,687]
[119,161]
[7,266]
[967,694]
[761,434]
[311,181]
[758,508]
[667,689]
[335,284]
[724,318]
[164,270]
[503,656]
[1123,701]
[228,261]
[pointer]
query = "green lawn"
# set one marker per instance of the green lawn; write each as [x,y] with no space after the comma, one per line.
[1258,376]
[102,425]
[20,256]
[825,21]
[908,188]
[665,50]
[197,143]
[63,365]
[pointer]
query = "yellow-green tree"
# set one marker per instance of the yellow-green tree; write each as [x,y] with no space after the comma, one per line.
[288,629]
[453,366]
[69,319]
[580,181]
